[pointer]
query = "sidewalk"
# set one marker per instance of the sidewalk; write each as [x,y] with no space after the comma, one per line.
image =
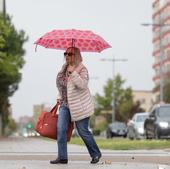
[32,153]
[75,165]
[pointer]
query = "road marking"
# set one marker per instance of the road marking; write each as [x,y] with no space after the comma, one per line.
[163,167]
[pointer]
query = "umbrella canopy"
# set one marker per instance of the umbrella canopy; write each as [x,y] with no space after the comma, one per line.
[85,40]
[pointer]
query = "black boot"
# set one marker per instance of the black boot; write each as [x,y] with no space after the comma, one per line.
[59,161]
[95,159]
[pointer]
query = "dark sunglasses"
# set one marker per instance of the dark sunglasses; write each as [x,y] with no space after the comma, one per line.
[69,54]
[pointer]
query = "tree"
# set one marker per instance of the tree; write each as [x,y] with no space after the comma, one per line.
[124,105]
[11,61]
[12,126]
[166,90]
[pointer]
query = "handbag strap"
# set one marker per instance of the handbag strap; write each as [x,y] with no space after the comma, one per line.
[54,109]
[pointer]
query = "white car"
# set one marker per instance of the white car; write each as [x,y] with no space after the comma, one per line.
[135,126]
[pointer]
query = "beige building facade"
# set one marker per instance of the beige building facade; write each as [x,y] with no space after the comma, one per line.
[145,98]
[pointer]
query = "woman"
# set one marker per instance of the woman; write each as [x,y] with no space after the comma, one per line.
[76,105]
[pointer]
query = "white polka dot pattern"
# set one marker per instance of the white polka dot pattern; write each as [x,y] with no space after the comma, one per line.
[86,41]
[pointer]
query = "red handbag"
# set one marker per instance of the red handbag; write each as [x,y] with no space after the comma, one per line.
[47,124]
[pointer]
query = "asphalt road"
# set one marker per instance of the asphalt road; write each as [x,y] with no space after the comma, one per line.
[33,153]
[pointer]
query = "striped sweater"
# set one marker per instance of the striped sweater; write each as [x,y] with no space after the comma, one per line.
[79,98]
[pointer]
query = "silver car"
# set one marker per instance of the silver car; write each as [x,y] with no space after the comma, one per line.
[135,126]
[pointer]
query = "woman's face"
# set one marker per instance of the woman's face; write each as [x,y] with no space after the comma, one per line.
[69,56]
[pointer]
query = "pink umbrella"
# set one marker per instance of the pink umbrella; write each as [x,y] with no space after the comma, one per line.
[86,41]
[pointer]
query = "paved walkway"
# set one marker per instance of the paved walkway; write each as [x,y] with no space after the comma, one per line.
[75,165]
[32,153]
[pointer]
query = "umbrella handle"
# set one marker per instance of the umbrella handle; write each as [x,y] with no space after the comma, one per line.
[73,43]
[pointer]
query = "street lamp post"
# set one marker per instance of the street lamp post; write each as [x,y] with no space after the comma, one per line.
[160,25]
[113,92]
[3,7]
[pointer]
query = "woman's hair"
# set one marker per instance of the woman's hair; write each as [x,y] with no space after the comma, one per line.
[77,57]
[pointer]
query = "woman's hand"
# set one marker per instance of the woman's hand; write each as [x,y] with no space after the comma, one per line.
[59,101]
[71,68]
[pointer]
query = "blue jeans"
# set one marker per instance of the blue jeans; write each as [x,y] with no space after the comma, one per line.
[82,127]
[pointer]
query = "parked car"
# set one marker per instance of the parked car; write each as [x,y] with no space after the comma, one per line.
[135,126]
[116,129]
[157,125]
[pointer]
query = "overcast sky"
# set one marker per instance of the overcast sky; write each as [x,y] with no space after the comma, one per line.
[117,21]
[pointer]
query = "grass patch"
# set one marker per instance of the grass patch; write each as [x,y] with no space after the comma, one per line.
[126,144]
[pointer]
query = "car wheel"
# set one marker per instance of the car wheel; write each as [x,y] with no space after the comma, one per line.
[135,135]
[130,136]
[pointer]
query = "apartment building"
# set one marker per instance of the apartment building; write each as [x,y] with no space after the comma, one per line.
[161,42]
